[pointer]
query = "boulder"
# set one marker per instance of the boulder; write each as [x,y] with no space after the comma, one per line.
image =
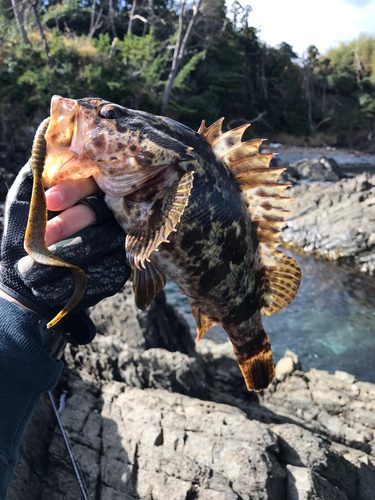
[335,221]
[286,366]
[311,170]
[148,423]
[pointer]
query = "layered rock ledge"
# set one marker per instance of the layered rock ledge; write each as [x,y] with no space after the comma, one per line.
[335,219]
[151,418]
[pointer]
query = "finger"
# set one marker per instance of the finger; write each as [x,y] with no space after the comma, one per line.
[67,223]
[67,193]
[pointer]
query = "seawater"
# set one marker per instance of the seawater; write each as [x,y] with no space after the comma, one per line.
[330,324]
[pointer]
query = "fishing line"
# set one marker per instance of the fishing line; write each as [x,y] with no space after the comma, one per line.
[80,480]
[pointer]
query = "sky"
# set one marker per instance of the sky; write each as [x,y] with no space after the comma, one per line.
[301,23]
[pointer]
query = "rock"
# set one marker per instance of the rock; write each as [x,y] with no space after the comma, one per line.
[158,326]
[330,400]
[311,170]
[154,423]
[304,484]
[345,377]
[302,448]
[211,350]
[363,416]
[287,365]
[158,368]
[335,221]
[371,240]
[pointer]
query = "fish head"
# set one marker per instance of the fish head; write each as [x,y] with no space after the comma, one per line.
[122,149]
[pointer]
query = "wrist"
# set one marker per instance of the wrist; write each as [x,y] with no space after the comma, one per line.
[9,298]
[54,340]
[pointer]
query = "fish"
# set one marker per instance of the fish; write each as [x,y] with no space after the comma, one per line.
[203,208]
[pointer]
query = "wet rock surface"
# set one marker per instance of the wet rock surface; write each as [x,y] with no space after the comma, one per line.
[151,423]
[336,221]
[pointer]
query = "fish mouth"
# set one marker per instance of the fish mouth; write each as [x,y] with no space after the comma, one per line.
[65,139]
[63,122]
[67,128]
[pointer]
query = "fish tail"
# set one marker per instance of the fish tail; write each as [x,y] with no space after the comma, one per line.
[255,360]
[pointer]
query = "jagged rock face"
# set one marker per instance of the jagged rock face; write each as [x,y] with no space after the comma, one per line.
[158,326]
[335,221]
[310,170]
[154,424]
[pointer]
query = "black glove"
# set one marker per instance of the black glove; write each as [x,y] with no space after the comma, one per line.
[98,250]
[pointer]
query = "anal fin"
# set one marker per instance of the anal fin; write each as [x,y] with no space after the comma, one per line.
[147,283]
[203,322]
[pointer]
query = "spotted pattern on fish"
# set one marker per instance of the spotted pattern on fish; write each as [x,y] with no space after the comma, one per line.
[217,249]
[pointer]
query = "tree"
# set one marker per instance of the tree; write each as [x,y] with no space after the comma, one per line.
[180,46]
[18,9]
[34,6]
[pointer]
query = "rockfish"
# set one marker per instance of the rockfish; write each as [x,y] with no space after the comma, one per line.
[200,207]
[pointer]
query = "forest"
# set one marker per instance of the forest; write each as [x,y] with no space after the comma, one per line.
[190,60]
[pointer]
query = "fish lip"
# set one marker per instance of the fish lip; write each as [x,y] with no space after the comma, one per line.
[60,131]
[61,107]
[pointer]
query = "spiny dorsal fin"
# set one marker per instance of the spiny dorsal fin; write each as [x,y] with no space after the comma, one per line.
[262,193]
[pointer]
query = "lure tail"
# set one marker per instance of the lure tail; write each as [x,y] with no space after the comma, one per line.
[35,244]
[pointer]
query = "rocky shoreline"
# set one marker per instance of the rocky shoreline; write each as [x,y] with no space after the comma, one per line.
[150,417]
[333,216]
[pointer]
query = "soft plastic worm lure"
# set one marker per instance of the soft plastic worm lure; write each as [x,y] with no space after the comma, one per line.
[35,244]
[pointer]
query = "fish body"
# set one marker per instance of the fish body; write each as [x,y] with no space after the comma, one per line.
[200,207]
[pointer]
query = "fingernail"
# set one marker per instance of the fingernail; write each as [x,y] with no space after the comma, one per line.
[54,199]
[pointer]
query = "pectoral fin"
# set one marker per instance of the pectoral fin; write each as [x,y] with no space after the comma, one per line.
[147,283]
[263,196]
[141,241]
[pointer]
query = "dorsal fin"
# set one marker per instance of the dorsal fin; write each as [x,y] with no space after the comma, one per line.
[262,193]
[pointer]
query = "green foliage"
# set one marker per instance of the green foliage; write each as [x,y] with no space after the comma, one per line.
[226,70]
[185,71]
[64,9]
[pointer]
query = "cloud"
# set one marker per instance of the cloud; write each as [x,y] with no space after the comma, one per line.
[359,3]
[323,23]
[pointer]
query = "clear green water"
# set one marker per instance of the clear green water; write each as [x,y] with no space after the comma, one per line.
[330,324]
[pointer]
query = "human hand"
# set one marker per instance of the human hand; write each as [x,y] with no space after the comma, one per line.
[74,218]
[99,249]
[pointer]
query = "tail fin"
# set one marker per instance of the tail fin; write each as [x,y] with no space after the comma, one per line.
[256,363]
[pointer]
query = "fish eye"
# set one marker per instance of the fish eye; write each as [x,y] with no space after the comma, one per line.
[111,112]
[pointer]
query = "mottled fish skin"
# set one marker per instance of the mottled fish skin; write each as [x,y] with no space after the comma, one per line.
[214,255]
